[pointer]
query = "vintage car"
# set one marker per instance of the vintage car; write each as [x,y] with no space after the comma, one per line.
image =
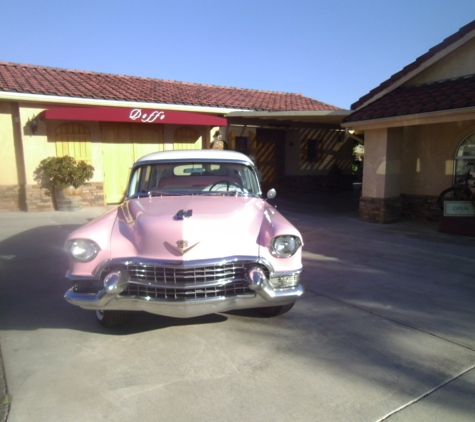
[194,236]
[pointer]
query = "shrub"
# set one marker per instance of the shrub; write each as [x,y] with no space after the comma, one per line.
[62,172]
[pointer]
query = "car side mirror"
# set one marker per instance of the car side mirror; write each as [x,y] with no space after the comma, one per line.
[271,194]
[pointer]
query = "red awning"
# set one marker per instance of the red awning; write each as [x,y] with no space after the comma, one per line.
[132,115]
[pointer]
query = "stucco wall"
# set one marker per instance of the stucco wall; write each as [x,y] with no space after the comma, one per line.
[8,172]
[460,62]
[428,151]
[379,168]
[35,146]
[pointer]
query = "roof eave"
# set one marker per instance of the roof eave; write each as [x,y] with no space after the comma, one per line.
[56,99]
[330,117]
[287,114]
[443,116]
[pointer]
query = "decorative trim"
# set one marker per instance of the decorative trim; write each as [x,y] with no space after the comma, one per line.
[11,198]
[380,210]
[420,207]
[38,199]
[32,198]
[93,194]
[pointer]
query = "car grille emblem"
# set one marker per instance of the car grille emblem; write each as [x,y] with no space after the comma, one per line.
[182,246]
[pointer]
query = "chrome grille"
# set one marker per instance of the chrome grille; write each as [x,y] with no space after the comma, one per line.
[164,280]
[225,290]
[183,276]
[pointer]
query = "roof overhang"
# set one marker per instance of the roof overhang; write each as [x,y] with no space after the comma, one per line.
[443,116]
[328,119]
[132,115]
[97,102]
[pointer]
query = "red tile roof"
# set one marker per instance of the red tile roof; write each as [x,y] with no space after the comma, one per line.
[414,65]
[425,98]
[73,83]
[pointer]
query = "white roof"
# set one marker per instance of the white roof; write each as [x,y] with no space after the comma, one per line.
[196,154]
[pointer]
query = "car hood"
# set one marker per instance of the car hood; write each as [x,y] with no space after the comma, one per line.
[216,226]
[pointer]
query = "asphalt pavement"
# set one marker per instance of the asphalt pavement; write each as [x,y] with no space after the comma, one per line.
[386,331]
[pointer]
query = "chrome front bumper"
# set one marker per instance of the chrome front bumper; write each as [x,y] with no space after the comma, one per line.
[258,294]
[180,309]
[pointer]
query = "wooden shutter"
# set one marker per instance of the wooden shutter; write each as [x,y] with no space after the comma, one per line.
[74,140]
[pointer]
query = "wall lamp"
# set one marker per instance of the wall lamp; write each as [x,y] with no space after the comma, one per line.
[34,125]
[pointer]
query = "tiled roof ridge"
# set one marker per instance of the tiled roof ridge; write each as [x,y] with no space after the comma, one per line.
[116,75]
[416,63]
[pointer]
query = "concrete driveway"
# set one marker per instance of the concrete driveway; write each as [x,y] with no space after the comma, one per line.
[386,331]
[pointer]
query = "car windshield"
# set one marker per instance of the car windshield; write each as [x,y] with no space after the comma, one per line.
[193,178]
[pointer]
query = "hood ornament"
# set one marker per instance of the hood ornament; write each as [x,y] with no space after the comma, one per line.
[182,246]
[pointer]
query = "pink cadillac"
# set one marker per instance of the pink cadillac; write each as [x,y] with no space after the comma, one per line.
[194,236]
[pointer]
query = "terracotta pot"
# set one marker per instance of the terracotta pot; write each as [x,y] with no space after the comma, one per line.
[68,199]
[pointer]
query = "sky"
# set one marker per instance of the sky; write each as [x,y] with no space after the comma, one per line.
[334,51]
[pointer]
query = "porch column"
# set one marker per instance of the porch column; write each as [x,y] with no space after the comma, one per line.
[380,201]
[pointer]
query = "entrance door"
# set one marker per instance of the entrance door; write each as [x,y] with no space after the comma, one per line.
[270,156]
[122,145]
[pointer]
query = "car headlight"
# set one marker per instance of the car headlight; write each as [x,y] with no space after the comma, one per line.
[83,250]
[284,246]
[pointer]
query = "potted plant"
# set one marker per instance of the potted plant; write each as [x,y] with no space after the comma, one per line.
[63,177]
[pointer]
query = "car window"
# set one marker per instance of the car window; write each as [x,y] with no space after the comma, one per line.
[134,186]
[194,178]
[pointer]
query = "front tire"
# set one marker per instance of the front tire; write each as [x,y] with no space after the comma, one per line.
[112,319]
[273,311]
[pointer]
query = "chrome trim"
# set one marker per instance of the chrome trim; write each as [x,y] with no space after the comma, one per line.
[234,288]
[183,299]
[183,286]
[286,273]
[182,309]
[115,283]
[177,263]
[73,277]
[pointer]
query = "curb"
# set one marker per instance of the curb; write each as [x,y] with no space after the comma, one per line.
[4,397]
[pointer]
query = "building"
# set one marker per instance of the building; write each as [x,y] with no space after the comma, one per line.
[111,120]
[419,131]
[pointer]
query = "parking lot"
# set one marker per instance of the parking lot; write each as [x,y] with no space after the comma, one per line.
[386,331]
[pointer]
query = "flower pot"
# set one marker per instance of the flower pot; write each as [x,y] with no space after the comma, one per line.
[68,199]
